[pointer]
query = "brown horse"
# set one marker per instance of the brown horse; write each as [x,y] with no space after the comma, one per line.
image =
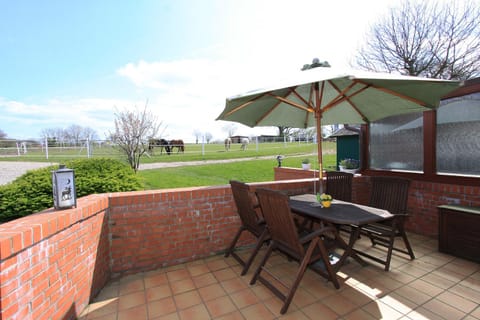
[162,143]
[177,144]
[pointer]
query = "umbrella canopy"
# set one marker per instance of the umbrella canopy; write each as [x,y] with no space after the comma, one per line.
[323,96]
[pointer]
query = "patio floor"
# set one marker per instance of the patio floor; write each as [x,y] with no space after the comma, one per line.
[433,286]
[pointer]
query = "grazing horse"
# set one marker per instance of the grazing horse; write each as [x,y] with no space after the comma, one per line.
[178,144]
[228,142]
[162,143]
[244,143]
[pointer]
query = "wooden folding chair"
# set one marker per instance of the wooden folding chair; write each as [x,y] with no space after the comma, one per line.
[389,193]
[307,250]
[252,222]
[339,185]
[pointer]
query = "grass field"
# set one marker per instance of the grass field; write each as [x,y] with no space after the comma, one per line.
[217,174]
[258,164]
[249,170]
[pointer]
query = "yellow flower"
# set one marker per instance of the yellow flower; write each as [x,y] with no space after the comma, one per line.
[325,197]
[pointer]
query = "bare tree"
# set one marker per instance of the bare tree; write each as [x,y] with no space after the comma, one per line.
[198,134]
[284,131]
[133,129]
[230,129]
[208,137]
[73,135]
[426,38]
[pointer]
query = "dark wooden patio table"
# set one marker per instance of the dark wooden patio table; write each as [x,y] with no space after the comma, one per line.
[339,213]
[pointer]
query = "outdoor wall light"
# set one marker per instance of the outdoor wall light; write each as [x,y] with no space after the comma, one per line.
[279,159]
[64,192]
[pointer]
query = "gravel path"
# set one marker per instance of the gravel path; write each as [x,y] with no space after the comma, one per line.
[9,171]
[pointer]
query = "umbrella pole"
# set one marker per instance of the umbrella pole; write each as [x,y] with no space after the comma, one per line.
[318,119]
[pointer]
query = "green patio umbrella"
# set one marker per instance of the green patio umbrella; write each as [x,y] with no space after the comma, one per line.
[323,96]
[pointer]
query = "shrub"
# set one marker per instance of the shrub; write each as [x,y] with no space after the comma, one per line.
[32,192]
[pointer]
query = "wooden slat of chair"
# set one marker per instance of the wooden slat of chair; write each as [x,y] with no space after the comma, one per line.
[339,185]
[284,238]
[247,207]
[390,193]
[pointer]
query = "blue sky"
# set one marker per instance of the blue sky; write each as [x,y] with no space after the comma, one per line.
[78,62]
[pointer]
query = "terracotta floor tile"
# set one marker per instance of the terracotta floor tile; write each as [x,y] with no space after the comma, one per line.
[213,291]
[233,285]
[235,315]
[199,269]
[220,306]
[381,311]
[444,310]
[339,304]
[158,292]
[215,265]
[102,308]
[137,313]
[204,280]
[131,300]
[171,316]
[466,292]
[244,298]
[155,280]
[225,274]
[182,286]
[433,286]
[177,275]
[187,299]
[458,302]
[426,287]
[198,312]
[161,307]
[476,313]
[411,293]
[316,309]
[294,315]
[257,311]
[134,285]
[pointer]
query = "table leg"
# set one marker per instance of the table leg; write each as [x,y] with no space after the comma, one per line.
[348,249]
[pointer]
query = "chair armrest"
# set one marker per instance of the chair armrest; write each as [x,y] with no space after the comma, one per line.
[317,233]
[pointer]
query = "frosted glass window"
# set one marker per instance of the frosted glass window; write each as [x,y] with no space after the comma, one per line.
[458,135]
[396,143]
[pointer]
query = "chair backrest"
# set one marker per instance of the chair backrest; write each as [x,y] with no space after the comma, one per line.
[390,193]
[245,202]
[279,219]
[339,185]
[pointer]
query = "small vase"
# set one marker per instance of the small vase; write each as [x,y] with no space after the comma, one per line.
[306,166]
[326,204]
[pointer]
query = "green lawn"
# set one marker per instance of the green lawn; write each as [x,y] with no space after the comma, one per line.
[218,174]
[258,165]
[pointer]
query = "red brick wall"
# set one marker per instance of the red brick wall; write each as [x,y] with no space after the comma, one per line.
[167,227]
[53,262]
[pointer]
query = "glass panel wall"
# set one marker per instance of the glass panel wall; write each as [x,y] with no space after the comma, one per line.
[458,135]
[396,143]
